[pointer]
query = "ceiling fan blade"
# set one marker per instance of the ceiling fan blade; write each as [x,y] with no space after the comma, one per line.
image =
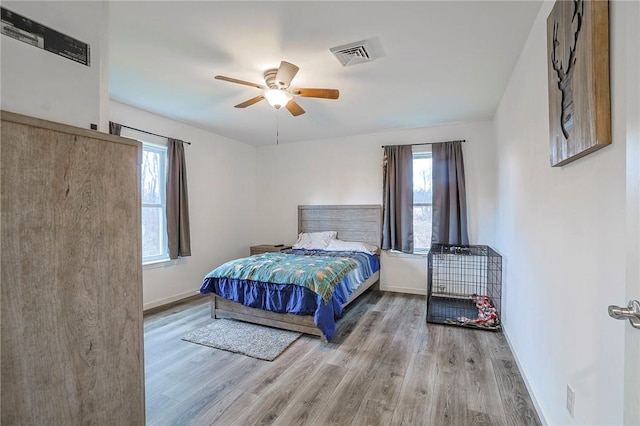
[235,80]
[294,108]
[285,74]
[317,93]
[250,102]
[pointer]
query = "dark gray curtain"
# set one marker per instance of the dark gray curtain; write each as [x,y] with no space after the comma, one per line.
[178,232]
[397,230]
[115,128]
[449,194]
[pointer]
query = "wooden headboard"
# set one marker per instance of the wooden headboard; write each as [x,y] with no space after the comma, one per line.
[358,222]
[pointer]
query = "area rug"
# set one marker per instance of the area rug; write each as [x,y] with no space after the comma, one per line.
[240,337]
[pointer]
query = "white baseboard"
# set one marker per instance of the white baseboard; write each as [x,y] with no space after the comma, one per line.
[532,394]
[167,300]
[409,290]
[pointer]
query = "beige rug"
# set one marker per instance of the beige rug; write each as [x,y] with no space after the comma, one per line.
[240,337]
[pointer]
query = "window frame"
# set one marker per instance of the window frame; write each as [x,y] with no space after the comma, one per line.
[161,149]
[422,151]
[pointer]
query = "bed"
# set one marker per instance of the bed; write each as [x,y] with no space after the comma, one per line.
[235,298]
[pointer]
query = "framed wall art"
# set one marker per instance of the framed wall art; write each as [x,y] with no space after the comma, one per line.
[578,73]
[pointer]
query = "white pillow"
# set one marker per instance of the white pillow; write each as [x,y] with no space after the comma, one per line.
[339,245]
[314,240]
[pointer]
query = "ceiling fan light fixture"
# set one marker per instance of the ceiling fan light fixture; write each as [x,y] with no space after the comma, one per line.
[277,98]
[277,91]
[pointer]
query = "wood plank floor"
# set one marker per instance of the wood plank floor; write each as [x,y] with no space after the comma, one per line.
[384,366]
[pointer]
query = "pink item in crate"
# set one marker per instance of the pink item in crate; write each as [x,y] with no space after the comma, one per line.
[487,314]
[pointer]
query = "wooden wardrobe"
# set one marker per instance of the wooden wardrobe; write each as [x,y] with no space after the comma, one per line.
[71,277]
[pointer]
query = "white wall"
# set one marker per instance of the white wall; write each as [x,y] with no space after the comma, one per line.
[45,85]
[349,171]
[562,232]
[221,179]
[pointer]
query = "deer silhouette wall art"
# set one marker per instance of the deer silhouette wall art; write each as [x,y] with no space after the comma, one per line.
[578,79]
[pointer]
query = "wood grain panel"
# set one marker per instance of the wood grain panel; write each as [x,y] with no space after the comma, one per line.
[347,347]
[578,70]
[71,276]
[353,222]
[196,402]
[275,397]
[417,392]
[373,413]
[479,376]
[517,405]
[223,308]
[450,404]
[341,382]
[367,372]
[308,404]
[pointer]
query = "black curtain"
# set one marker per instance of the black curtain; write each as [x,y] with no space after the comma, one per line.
[449,194]
[115,128]
[178,232]
[397,231]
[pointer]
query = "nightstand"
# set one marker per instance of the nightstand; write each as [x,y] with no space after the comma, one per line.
[265,248]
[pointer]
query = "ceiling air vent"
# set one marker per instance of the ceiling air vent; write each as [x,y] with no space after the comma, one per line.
[354,53]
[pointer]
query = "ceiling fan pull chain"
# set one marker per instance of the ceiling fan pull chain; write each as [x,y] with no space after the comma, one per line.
[277,129]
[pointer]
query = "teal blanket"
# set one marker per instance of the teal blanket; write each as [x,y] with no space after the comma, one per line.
[319,274]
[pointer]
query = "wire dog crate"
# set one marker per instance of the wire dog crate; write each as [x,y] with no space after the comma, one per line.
[464,286]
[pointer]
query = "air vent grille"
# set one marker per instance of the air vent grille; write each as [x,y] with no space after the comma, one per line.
[353,53]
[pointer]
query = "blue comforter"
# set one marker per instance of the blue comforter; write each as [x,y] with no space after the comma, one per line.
[295,299]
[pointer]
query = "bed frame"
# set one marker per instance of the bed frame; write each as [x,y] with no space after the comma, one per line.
[353,223]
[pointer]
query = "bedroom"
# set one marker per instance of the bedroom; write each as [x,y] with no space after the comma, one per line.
[511,188]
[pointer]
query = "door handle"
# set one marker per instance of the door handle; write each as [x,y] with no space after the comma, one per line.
[632,312]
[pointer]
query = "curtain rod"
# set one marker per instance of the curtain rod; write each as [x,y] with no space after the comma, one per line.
[149,133]
[429,143]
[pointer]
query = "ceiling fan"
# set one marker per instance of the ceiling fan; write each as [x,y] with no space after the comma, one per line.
[277,91]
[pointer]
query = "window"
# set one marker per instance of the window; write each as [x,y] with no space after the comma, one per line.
[154,223]
[422,196]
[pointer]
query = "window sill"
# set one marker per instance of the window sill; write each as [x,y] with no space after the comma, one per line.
[160,263]
[163,263]
[391,253]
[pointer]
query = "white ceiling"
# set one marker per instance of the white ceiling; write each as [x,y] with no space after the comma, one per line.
[444,62]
